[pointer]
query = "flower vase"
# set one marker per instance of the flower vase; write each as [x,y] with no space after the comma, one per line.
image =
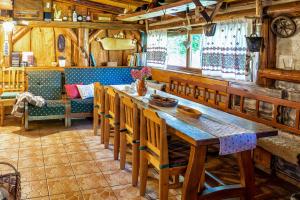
[141,88]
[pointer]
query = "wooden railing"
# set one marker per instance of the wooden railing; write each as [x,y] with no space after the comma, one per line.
[222,97]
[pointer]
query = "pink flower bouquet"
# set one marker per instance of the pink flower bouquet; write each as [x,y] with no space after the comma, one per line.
[142,74]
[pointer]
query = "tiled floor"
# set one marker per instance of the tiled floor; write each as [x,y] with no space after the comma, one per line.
[58,163]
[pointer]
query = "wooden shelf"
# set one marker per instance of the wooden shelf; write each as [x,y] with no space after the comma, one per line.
[172,8]
[91,25]
[279,74]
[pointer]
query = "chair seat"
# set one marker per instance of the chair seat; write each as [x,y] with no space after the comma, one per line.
[9,95]
[52,107]
[179,152]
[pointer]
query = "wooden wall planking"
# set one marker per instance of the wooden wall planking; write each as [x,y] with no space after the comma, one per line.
[43,42]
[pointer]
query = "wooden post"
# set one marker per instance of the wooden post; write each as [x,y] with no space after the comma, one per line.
[83,47]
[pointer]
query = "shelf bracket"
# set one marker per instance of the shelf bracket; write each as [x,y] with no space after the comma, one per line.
[203,12]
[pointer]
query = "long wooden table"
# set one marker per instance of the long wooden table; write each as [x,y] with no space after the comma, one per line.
[203,132]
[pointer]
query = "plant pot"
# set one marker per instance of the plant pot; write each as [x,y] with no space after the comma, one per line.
[62,62]
[141,88]
[254,43]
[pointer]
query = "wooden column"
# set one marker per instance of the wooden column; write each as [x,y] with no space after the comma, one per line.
[83,47]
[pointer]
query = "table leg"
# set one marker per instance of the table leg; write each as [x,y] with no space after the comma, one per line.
[247,173]
[194,173]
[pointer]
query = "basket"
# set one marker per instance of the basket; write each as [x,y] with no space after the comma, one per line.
[254,43]
[11,182]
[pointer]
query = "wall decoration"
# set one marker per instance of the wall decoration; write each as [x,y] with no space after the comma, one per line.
[61,43]
[283,26]
[117,43]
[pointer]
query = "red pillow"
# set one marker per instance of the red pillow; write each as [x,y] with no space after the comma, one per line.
[72,91]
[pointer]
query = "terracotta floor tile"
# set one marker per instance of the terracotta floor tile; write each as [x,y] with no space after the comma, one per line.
[110,165]
[80,156]
[99,194]
[152,189]
[30,152]
[104,154]
[34,189]
[75,147]
[91,181]
[41,198]
[71,140]
[92,139]
[127,192]
[51,160]
[9,153]
[30,162]
[68,196]
[28,144]
[54,149]
[59,171]
[9,145]
[63,185]
[51,142]
[115,178]
[88,167]
[32,174]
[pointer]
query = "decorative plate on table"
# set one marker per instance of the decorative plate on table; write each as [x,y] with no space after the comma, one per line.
[158,100]
[189,111]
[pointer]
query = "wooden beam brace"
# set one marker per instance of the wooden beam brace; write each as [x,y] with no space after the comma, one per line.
[216,10]
[203,11]
[70,33]
[20,33]
[94,35]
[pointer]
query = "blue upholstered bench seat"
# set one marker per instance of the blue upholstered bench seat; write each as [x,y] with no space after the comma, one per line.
[82,105]
[106,76]
[53,107]
[9,95]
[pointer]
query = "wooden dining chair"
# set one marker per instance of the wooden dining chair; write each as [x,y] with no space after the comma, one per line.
[13,83]
[112,120]
[99,109]
[168,156]
[130,133]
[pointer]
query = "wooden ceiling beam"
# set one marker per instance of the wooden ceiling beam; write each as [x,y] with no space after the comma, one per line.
[95,5]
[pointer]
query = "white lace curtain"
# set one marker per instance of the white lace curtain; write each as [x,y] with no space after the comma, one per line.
[157,48]
[225,54]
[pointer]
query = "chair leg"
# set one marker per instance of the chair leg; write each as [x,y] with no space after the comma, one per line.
[123,144]
[2,113]
[163,184]
[102,128]
[135,164]
[96,121]
[116,142]
[26,117]
[143,174]
[106,134]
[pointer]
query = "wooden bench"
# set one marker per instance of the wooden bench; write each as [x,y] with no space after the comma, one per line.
[208,94]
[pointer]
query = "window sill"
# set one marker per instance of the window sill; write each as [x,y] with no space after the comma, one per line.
[197,72]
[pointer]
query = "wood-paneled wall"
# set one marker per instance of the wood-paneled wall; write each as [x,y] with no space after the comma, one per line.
[43,43]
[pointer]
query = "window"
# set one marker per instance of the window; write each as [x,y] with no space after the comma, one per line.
[176,50]
[196,51]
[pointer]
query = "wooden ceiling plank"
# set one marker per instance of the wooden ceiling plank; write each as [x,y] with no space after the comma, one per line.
[163,10]
[94,5]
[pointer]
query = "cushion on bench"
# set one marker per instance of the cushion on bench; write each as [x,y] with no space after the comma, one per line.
[82,105]
[52,107]
[285,146]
